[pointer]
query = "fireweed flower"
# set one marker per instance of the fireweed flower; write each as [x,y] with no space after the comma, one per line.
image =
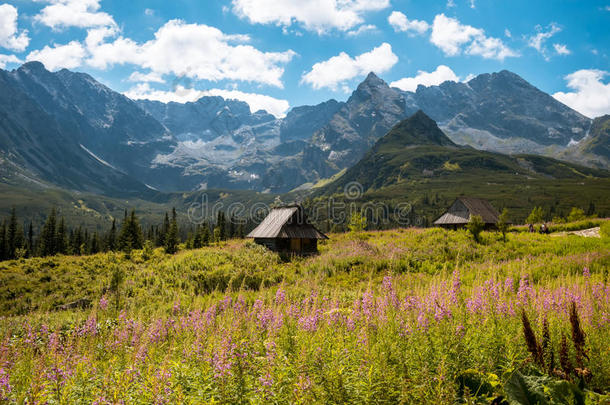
[103,303]
[5,386]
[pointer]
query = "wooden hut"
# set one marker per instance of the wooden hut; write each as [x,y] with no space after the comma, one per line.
[459,213]
[286,230]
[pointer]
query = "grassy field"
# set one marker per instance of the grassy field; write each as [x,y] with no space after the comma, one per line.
[398,316]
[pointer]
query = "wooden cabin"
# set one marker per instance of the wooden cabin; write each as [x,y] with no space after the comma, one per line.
[459,213]
[286,230]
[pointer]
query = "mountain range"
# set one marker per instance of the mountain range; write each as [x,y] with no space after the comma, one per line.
[66,129]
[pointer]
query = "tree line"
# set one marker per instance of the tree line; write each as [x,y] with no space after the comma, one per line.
[55,237]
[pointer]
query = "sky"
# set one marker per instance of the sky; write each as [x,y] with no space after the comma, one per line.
[278,54]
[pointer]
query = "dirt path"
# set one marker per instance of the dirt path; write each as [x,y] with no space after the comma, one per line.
[587,233]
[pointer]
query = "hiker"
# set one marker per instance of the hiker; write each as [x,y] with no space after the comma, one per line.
[531,228]
[544,229]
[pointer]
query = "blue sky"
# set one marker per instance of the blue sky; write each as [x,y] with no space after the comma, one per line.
[277,54]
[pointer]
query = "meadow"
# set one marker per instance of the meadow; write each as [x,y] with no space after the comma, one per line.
[397,316]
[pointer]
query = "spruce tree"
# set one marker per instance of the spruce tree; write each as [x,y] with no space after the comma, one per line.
[171,239]
[197,238]
[111,243]
[12,241]
[62,238]
[205,234]
[3,244]
[31,239]
[48,235]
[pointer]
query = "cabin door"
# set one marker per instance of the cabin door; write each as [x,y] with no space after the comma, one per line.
[295,245]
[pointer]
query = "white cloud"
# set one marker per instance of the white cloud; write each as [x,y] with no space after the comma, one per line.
[6,59]
[538,41]
[181,94]
[67,56]
[561,49]
[401,23]
[591,97]
[151,77]
[60,14]
[441,74]
[319,16]
[507,33]
[149,12]
[10,37]
[363,29]
[450,3]
[453,38]
[196,51]
[342,67]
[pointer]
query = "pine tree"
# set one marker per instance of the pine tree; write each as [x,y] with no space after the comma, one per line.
[47,236]
[131,234]
[205,234]
[94,246]
[31,240]
[591,209]
[197,238]
[61,242]
[12,244]
[3,244]
[162,232]
[111,243]
[171,239]
[231,233]
[221,225]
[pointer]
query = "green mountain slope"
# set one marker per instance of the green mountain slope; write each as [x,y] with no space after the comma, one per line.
[417,162]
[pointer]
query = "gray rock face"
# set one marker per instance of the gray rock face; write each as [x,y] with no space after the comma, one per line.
[64,127]
[503,105]
[37,147]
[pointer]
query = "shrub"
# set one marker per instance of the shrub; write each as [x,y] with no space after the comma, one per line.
[576,214]
[475,227]
[536,216]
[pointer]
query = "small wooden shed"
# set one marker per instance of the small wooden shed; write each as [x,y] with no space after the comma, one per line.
[459,213]
[286,230]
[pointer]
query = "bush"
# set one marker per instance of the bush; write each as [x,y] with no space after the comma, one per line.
[605,229]
[577,214]
[475,227]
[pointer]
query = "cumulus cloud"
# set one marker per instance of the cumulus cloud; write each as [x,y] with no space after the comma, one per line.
[60,14]
[151,77]
[453,38]
[196,51]
[67,56]
[441,74]
[363,29]
[182,94]
[538,41]
[343,67]
[561,49]
[591,96]
[10,36]
[6,59]
[319,16]
[401,23]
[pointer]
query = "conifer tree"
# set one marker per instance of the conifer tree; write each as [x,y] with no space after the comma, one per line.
[12,238]
[3,242]
[111,243]
[131,234]
[171,239]
[61,241]
[48,235]
[31,239]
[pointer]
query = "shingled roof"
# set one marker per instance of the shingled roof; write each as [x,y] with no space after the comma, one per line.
[286,222]
[464,207]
